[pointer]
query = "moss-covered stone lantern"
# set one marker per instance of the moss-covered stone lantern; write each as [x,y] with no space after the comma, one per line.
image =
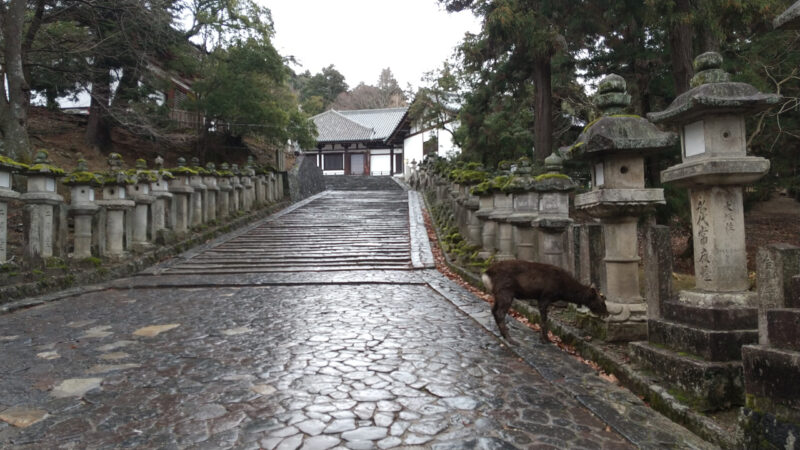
[552,220]
[711,118]
[116,203]
[141,194]
[699,336]
[182,192]
[160,190]
[238,188]
[225,191]
[199,205]
[82,206]
[44,216]
[7,167]
[615,145]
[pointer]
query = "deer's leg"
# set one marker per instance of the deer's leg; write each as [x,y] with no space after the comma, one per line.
[543,304]
[502,303]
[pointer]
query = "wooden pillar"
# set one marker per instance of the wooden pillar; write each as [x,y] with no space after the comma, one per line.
[347,167]
[391,161]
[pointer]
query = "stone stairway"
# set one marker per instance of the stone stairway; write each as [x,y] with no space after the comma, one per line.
[322,236]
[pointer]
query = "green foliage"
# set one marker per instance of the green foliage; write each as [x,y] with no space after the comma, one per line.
[246,87]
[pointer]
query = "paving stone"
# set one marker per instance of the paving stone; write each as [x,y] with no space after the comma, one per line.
[365,434]
[21,416]
[340,425]
[320,443]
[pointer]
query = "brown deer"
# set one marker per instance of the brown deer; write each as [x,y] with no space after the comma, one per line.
[544,283]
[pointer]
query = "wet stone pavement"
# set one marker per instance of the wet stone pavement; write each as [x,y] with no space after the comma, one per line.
[229,347]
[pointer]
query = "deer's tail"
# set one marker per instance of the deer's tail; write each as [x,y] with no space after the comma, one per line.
[487,281]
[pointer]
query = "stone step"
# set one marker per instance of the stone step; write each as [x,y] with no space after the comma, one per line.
[712,318]
[705,385]
[711,345]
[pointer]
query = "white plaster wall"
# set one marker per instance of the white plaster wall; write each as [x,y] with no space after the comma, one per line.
[380,164]
[412,148]
[446,144]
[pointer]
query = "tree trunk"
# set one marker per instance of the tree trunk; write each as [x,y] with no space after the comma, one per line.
[681,42]
[14,105]
[98,130]
[543,108]
[127,89]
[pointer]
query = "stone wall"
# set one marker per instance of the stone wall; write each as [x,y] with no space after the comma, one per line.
[305,179]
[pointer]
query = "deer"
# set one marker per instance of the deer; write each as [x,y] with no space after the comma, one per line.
[545,283]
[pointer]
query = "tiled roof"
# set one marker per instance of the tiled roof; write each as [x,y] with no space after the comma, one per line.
[358,125]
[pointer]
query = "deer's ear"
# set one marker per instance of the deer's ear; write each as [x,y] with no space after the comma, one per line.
[593,288]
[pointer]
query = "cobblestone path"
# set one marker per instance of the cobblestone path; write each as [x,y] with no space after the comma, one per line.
[318,328]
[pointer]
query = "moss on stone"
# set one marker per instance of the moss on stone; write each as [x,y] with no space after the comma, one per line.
[45,169]
[10,164]
[550,176]
[183,171]
[83,178]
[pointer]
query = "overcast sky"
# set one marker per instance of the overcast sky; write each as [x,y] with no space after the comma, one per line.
[362,37]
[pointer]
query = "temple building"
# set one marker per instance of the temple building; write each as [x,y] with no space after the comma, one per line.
[361,142]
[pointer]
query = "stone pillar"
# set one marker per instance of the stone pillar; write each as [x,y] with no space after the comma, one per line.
[711,322]
[488,227]
[552,221]
[772,408]
[473,224]
[161,219]
[140,193]
[616,145]
[657,269]
[83,207]
[504,239]
[181,196]
[592,255]
[7,167]
[199,208]
[42,212]
[210,180]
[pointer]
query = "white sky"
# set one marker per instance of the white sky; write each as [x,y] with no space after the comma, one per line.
[362,37]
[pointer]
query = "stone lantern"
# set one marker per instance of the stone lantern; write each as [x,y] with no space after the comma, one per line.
[7,167]
[83,206]
[472,204]
[160,190]
[225,191]
[715,167]
[182,191]
[238,188]
[116,203]
[140,193]
[714,320]
[199,208]
[552,220]
[210,180]
[44,217]
[248,192]
[616,144]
